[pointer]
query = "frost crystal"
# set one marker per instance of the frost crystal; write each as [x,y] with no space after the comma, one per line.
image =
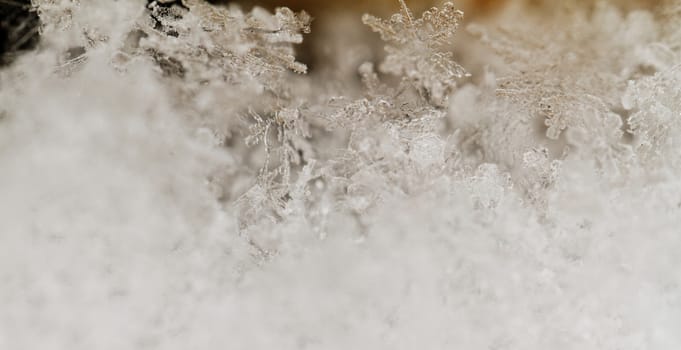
[655,105]
[416,48]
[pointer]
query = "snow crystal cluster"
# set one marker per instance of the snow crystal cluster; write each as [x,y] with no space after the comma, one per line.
[173,177]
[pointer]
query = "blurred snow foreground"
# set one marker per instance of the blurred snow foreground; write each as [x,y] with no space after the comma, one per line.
[171,178]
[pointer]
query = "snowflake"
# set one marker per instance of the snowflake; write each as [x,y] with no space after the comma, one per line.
[564,83]
[655,119]
[416,48]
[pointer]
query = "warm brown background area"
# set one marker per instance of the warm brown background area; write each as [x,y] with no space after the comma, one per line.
[329,43]
[473,8]
[325,7]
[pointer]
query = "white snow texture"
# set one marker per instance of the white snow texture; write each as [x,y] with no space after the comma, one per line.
[172,178]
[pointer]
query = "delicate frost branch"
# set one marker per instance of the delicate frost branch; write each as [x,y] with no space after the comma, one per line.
[416,48]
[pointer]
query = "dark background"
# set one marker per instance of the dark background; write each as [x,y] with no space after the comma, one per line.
[18,29]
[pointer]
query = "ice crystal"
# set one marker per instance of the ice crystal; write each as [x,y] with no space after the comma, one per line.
[416,48]
[654,103]
[567,81]
[223,54]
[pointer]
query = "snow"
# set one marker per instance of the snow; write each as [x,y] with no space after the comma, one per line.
[134,216]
